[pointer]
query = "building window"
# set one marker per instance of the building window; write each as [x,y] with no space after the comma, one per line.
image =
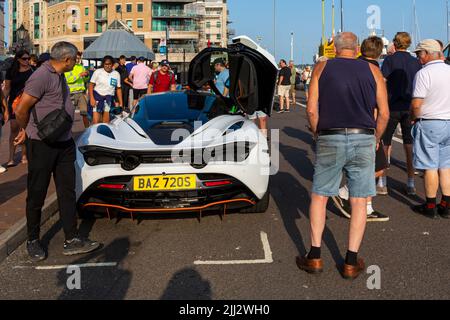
[140,7]
[86,26]
[118,8]
[219,24]
[86,11]
[64,28]
[130,23]
[208,37]
[219,36]
[99,28]
[208,24]
[129,7]
[140,24]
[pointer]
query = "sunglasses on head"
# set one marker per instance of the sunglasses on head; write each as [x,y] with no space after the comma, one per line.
[25,58]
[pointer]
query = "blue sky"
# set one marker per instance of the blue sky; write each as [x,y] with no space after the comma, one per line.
[304,18]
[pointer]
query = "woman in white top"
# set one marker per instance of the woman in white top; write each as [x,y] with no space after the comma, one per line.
[103,88]
[306,77]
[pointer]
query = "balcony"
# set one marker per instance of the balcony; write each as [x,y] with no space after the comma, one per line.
[176,28]
[101,18]
[173,14]
[101,3]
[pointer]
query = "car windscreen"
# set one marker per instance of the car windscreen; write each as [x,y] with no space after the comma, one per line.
[159,115]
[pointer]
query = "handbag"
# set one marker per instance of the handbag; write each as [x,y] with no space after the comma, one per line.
[57,122]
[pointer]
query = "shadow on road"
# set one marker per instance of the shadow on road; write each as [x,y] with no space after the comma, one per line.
[187,284]
[84,229]
[293,201]
[100,283]
[11,189]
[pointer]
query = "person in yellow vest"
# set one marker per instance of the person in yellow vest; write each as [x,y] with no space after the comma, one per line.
[77,85]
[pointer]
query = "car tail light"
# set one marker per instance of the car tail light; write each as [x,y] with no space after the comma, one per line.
[210,184]
[112,186]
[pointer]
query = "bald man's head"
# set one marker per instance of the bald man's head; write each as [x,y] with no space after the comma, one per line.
[346,41]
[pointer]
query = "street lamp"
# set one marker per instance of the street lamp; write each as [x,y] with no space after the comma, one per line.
[22,35]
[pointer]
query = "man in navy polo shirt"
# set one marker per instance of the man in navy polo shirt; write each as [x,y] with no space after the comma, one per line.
[399,71]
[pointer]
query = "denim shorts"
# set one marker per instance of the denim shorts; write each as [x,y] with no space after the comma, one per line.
[352,155]
[431,145]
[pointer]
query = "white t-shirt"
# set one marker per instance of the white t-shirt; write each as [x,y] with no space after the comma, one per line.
[106,83]
[432,85]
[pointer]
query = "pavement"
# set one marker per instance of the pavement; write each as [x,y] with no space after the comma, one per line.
[242,256]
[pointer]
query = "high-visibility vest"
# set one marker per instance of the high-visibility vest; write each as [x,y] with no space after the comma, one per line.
[75,82]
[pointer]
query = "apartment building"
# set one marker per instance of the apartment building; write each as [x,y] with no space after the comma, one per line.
[190,23]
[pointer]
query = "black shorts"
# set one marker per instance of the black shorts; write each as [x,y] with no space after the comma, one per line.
[402,117]
[381,162]
[138,93]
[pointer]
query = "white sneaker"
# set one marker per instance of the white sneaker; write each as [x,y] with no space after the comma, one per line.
[2,169]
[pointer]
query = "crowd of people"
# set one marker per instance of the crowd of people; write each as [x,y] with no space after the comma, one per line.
[354,107]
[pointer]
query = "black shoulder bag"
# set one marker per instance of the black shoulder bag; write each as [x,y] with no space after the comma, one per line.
[56,123]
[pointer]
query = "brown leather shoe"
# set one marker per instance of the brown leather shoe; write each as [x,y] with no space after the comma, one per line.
[313,266]
[352,272]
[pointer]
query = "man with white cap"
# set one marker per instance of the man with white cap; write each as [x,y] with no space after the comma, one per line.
[431,112]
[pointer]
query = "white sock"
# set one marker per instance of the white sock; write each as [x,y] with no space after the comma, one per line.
[343,193]
[411,183]
[382,182]
[369,208]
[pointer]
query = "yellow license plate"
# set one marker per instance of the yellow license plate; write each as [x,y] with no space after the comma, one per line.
[163,183]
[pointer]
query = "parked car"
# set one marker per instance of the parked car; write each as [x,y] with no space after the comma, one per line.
[188,150]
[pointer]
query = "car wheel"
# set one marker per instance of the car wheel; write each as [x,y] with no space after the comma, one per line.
[261,206]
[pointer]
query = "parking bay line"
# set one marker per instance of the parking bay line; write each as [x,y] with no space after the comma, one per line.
[267,256]
[62,267]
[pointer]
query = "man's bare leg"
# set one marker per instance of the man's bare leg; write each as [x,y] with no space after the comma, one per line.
[263,126]
[444,177]
[431,179]
[281,103]
[317,217]
[357,223]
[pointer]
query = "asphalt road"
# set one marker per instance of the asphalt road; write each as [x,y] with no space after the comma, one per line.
[246,256]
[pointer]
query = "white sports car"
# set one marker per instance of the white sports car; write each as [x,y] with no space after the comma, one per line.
[186,151]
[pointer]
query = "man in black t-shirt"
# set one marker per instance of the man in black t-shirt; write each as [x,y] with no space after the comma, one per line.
[284,86]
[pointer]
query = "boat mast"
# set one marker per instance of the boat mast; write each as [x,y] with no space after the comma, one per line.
[333,21]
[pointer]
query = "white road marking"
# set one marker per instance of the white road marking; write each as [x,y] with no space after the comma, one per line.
[300,104]
[62,267]
[267,256]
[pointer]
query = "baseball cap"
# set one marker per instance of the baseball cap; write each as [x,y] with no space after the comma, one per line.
[165,63]
[428,45]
